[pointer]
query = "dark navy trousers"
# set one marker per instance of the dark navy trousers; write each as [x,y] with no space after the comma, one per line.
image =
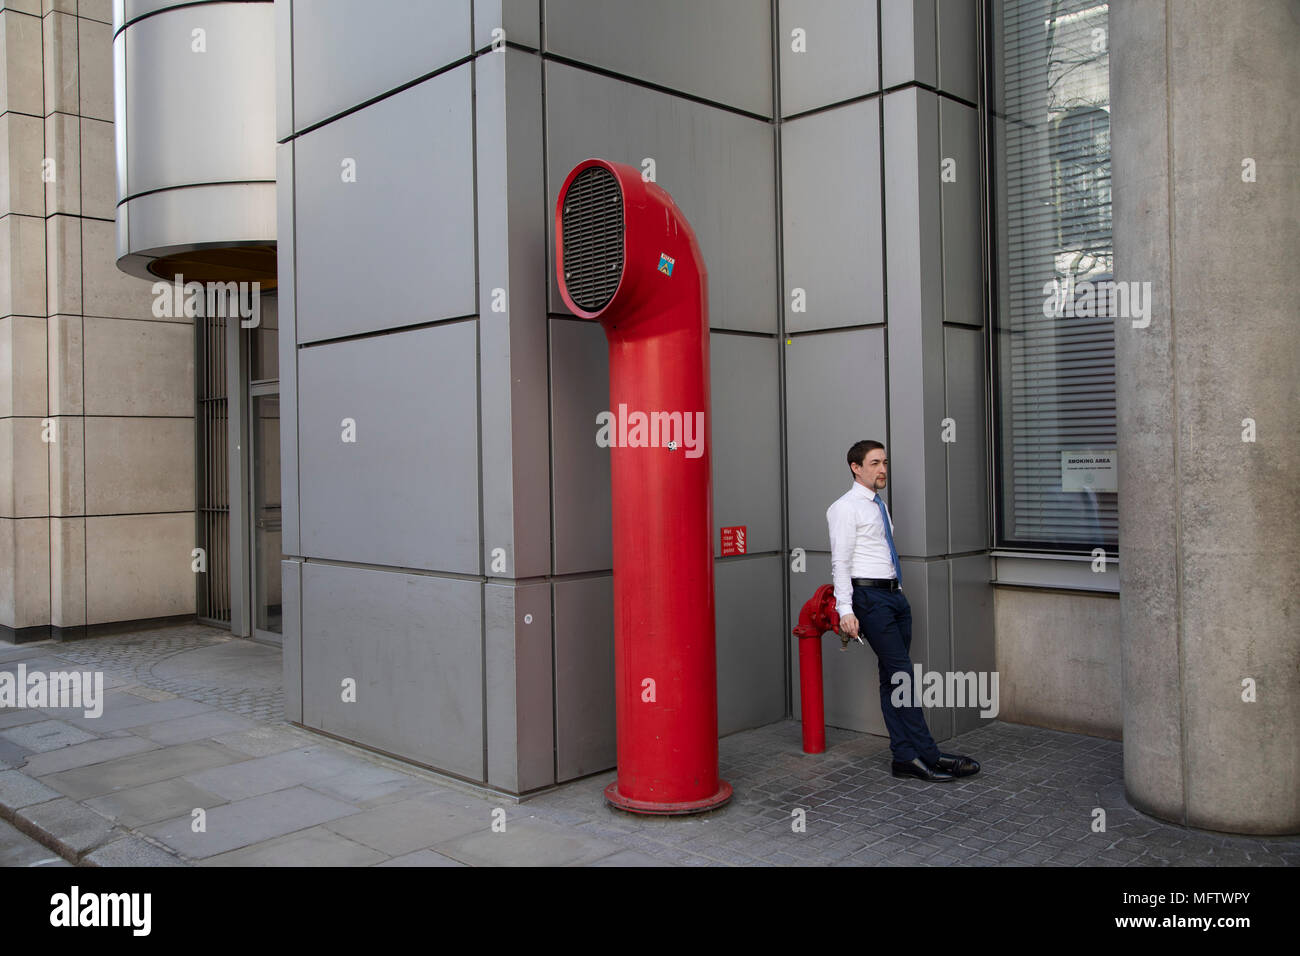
[885,622]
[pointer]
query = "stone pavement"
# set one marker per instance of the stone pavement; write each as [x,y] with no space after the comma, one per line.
[192,733]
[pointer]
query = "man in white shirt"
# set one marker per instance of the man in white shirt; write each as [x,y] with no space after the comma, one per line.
[869,598]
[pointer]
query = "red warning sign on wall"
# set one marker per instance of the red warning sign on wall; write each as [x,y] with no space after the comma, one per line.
[733,540]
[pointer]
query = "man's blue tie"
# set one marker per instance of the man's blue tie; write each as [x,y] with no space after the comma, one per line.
[889,536]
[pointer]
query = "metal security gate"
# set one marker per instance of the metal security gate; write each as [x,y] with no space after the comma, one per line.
[212,473]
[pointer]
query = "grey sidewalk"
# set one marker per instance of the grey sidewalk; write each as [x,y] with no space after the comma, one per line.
[191,723]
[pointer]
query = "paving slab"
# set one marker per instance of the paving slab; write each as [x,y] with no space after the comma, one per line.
[422,858]
[119,716]
[628,858]
[418,823]
[130,851]
[154,802]
[71,828]
[253,777]
[198,727]
[46,735]
[17,790]
[525,843]
[315,846]
[18,849]
[136,770]
[250,821]
[373,785]
[267,739]
[17,716]
[12,755]
[84,755]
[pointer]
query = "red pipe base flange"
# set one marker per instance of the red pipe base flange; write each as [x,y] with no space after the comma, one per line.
[616,799]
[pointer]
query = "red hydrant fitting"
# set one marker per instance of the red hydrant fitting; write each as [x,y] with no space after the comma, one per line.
[816,618]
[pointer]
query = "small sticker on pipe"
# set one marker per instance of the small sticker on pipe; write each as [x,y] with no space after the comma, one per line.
[666,263]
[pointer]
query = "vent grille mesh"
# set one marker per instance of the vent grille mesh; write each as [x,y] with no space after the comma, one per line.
[592,225]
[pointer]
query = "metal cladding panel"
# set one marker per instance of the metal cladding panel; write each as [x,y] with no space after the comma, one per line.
[413,645]
[579,467]
[973,643]
[850,678]
[291,634]
[833,59]
[227,90]
[719,51]
[520,728]
[718,167]
[913,236]
[963,270]
[958,53]
[346,52]
[750,642]
[832,218]
[968,528]
[405,492]
[746,410]
[824,418]
[393,247]
[287,351]
[908,46]
[585,739]
[926,587]
[520,19]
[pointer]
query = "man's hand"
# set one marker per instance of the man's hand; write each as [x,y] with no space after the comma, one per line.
[849,625]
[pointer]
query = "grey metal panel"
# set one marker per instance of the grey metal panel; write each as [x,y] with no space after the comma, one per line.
[907,42]
[520,730]
[585,737]
[963,274]
[840,61]
[967,466]
[718,166]
[414,645]
[290,540]
[834,396]
[521,20]
[926,586]
[405,494]
[973,637]
[513,342]
[751,643]
[912,236]
[126,10]
[958,41]
[719,51]
[178,220]
[346,52]
[393,248]
[746,409]
[851,678]
[581,483]
[283,70]
[291,634]
[227,86]
[832,218]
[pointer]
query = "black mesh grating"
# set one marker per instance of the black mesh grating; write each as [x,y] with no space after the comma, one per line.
[592,225]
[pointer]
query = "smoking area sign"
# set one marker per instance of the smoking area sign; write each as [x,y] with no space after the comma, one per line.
[1089,470]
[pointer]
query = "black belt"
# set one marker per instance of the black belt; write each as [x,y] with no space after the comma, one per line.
[890,583]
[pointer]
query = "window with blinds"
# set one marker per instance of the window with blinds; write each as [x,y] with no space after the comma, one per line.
[1049,139]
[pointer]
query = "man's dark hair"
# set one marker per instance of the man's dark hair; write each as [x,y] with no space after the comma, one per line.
[859,452]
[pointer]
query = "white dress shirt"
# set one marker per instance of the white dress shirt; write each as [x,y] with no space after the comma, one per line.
[859,548]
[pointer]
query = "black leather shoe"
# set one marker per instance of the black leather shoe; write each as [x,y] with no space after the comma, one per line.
[921,770]
[958,765]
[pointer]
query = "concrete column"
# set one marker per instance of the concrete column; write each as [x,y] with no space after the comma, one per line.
[1207,209]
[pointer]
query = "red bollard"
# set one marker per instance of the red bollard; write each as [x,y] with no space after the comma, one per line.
[625,255]
[817,616]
